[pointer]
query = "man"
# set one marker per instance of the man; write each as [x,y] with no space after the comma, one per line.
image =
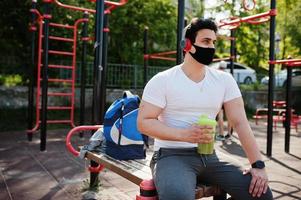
[171,104]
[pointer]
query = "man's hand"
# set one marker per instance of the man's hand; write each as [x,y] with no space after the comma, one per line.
[198,134]
[259,182]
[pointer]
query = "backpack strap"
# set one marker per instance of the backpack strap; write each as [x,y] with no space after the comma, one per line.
[120,122]
[127,94]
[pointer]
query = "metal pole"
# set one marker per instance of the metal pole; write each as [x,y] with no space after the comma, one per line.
[98,61]
[288,110]
[83,73]
[96,108]
[271,81]
[104,64]
[181,13]
[145,51]
[45,78]
[31,74]
[232,52]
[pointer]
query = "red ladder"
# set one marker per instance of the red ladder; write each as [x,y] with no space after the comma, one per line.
[70,82]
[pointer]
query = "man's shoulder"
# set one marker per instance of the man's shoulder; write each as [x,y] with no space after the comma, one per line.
[171,70]
[168,72]
[217,73]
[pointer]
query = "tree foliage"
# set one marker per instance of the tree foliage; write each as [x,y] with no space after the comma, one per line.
[127,26]
[160,16]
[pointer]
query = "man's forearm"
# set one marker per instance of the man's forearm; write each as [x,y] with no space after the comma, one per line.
[156,129]
[248,142]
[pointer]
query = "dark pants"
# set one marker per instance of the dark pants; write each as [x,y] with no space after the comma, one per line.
[177,171]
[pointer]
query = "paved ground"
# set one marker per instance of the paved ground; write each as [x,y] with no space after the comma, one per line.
[27,173]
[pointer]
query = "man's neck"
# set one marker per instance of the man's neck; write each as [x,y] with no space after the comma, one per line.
[193,70]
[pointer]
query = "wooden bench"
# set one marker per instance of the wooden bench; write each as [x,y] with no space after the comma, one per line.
[135,170]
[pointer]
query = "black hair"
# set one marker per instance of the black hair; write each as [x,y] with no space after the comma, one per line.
[197,24]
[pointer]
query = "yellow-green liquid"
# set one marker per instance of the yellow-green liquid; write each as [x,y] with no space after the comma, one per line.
[208,147]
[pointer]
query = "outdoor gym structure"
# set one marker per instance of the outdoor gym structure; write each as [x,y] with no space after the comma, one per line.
[100,56]
[41,22]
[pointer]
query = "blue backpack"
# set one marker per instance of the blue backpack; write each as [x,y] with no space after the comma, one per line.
[123,140]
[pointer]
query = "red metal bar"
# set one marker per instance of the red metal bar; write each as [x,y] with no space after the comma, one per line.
[39,62]
[88,38]
[61,25]
[64,53]
[74,68]
[106,30]
[59,80]
[58,108]
[63,121]
[296,64]
[279,103]
[60,66]
[35,11]
[97,169]
[32,28]
[250,19]
[220,59]
[225,37]
[260,21]
[112,5]
[59,94]
[161,58]
[163,53]
[60,38]
[76,130]
[73,7]
[285,62]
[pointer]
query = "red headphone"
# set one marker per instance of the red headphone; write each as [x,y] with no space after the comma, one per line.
[187,45]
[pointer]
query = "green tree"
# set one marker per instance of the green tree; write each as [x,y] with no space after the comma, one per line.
[127,26]
[288,19]
[14,35]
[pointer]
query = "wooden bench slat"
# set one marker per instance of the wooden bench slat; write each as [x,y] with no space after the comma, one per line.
[132,174]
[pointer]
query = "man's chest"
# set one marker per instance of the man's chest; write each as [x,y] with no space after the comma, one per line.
[190,96]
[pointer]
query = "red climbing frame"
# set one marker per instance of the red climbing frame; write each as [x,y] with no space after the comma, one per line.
[40,19]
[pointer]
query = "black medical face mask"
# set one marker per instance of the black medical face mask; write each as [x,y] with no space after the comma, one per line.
[203,55]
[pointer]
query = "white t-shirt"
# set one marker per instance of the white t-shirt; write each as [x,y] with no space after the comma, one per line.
[184,101]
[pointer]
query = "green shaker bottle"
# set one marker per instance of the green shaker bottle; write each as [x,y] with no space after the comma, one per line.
[208,147]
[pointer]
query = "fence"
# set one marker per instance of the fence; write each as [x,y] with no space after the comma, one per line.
[123,76]
[117,75]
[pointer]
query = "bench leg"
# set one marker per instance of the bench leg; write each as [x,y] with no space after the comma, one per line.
[94,181]
[222,196]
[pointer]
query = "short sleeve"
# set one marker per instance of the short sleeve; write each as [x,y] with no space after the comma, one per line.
[232,91]
[154,91]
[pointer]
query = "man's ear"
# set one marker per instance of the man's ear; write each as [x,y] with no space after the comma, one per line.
[187,45]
